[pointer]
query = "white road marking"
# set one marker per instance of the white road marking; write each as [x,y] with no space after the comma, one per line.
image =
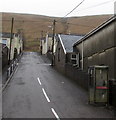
[39,81]
[54,112]
[45,95]
[44,64]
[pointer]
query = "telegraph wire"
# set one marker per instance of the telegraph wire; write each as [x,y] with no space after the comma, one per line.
[68,23]
[90,8]
[83,9]
[100,4]
[68,13]
[26,20]
[81,25]
[71,11]
[51,22]
[74,9]
[64,16]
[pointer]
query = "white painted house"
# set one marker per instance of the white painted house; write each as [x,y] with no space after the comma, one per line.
[47,43]
[16,45]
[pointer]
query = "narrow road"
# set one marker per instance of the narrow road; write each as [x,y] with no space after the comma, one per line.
[38,91]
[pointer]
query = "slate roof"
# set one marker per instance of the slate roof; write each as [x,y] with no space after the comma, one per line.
[69,40]
[5,35]
[50,35]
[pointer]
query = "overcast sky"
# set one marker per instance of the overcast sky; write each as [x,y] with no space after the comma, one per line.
[58,8]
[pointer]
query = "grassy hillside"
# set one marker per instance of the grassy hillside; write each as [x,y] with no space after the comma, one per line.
[32,25]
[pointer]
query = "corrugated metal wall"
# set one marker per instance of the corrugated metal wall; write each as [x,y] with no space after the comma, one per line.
[100,49]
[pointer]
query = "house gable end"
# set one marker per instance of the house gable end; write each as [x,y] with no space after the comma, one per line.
[62,44]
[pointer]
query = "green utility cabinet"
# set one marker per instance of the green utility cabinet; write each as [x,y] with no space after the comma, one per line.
[98,84]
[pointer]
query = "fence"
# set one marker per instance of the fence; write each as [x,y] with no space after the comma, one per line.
[8,72]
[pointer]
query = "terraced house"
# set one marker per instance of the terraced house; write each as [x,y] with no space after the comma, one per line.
[16,44]
[64,51]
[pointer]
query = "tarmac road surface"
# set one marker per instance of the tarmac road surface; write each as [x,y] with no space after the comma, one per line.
[37,90]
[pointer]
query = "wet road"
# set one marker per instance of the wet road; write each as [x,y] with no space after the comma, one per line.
[38,91]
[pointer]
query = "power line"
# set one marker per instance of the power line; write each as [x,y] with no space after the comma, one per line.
[81,25]
[26,20]
[100,4]
[74,9]
[59,22]
[83,9]
[76,24]
[66,15]
[71,11]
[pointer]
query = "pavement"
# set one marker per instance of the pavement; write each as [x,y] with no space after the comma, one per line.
[37,90]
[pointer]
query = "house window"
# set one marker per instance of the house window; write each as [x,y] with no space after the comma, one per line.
[58,54]
[75,60]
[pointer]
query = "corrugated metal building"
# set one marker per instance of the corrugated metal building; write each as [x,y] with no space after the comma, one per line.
[99,47]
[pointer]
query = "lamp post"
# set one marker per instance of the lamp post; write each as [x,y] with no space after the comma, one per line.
[82,55]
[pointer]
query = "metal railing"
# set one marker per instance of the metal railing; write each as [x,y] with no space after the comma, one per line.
[11,70]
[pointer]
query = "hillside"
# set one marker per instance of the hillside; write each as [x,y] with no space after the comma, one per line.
[32,25]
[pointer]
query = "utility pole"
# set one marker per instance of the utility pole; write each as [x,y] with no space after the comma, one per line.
[11,37]
[82,55]
[41,42]
[54,25]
